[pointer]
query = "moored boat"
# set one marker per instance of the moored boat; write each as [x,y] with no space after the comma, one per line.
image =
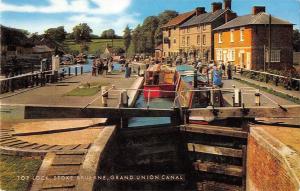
[160,82]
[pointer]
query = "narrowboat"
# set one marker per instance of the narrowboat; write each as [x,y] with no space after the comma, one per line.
[160,82]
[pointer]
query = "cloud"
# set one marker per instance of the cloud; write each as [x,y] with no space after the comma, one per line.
[99,7]
[99,14]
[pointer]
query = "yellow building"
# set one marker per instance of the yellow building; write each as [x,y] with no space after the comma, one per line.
[196,34]
[171,42]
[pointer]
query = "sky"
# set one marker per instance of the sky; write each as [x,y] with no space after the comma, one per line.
[39,15]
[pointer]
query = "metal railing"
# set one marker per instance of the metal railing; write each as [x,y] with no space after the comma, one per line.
[294,83]
[235,97]
[36,79]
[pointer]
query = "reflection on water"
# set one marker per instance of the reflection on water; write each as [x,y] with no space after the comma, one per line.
[162,103]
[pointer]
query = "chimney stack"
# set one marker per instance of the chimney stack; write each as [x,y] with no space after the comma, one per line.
[258,9]
[229,16]
[200,10]
[216,6]
[227,4]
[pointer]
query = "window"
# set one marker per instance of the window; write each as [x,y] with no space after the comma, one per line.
[188,30]
[198,27]
[275,56]
[198,39]
[220,37]
[204,27]
[231,35]
[231,55]
[219,54]
[183,41]
[188,41]
[174,41]
[204,39]
[242,30]
[169,32]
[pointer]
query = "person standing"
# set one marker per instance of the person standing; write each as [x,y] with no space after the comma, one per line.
[229,71]
[127,70]
[217,77]
[94,68]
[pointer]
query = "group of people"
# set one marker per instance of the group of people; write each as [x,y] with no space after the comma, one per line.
[102,66]
[215,72]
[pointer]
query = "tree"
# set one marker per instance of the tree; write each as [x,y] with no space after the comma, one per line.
[147,36]
[127,37]
[163,18]
[82,32]
[58,34]
[296,40]
[108,34]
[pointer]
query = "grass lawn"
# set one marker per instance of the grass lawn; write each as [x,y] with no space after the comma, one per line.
[96,45]
[13,167]
[87,89]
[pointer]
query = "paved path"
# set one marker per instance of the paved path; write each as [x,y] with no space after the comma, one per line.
[248,95]
[54,94]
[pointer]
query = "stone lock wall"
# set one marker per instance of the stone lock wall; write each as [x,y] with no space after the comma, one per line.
[267,169]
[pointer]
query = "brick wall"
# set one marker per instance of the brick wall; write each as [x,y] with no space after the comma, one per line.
[266,170]
[281,40]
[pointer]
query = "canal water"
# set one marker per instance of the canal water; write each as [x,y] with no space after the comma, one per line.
[88,67]
[162,103]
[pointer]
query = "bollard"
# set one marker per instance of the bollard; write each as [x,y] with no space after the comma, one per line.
[81,70]
[69,71]
[104,94]
[257,98]
[75,71]
[237,101]
[212,100]
[123,99]
[124,103]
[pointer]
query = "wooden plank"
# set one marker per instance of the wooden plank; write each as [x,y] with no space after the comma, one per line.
[15,143]
[216,186]
[287,111]
[63,171]
[50,112]
[215,130]
[68,182]
[231,170]
[68,160]
[215,150]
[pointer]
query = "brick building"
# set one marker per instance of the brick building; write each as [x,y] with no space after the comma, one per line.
[196,34]
[244,41]
[171,34]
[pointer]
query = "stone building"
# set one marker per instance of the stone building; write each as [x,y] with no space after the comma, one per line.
[244,41]
[171,34]
[196,38]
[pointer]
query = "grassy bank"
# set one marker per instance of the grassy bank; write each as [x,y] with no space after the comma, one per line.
[96,45]
[271,91]
[88,89]
[17,172]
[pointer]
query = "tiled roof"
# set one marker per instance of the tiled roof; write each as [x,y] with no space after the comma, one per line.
[203,18]
[179,19]
[259,19]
